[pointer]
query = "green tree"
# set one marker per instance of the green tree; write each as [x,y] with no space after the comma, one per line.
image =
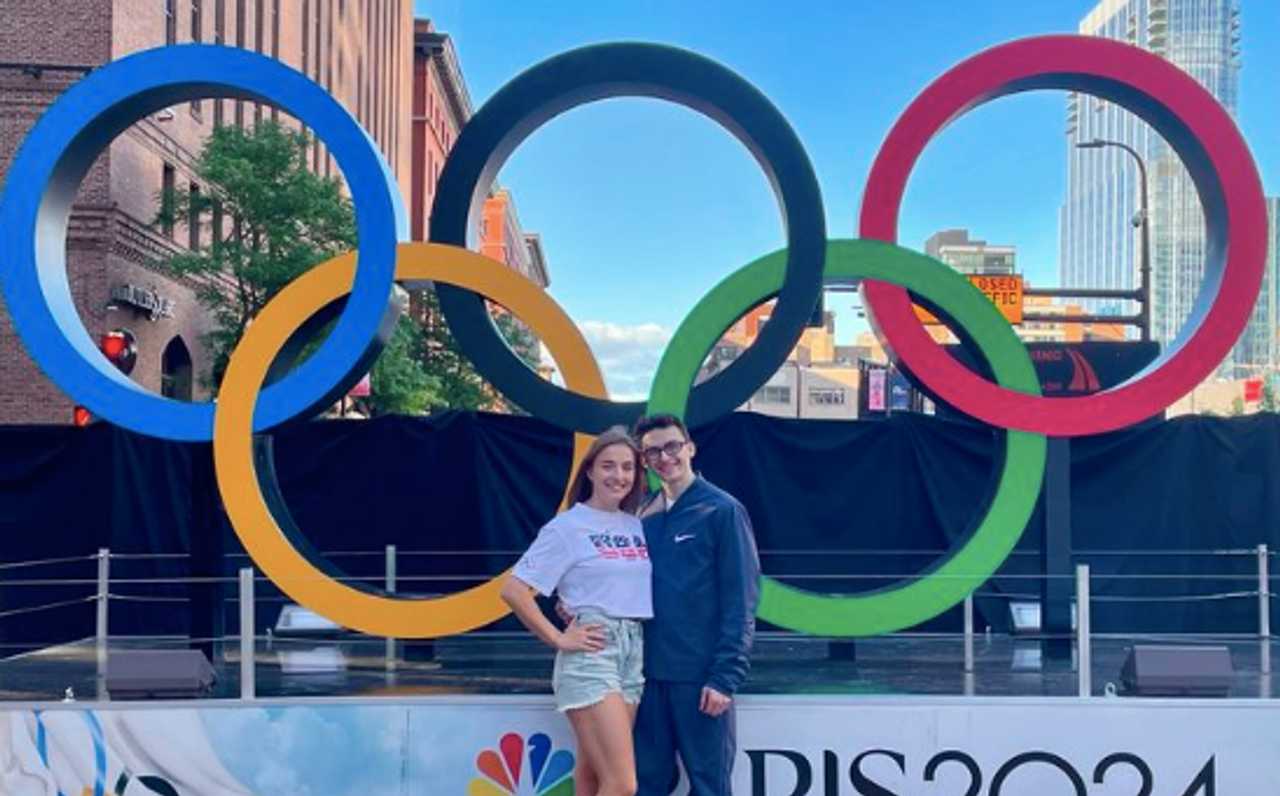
[1269,403]
[459,386]
[271,219]
[398,383]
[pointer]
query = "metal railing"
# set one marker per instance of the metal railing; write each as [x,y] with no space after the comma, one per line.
[247,598]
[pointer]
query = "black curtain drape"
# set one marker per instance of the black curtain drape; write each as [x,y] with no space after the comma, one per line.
[837,506]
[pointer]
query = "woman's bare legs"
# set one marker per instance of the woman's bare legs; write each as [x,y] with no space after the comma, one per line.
[585,780]
[603,732]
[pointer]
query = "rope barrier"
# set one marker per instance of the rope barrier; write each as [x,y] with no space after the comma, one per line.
[142,598]
[1213,553]
[47,606]
[374,577]
[39,562]
[1173,598]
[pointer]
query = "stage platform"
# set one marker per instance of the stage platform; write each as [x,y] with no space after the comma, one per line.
[477,721]
[515,664]
[473,716]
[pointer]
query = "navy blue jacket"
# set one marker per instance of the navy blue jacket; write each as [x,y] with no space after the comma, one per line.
[706,585]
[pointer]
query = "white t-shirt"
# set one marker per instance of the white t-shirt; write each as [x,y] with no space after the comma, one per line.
[594,559]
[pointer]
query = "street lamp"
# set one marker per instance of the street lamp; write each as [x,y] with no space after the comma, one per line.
[1142,220]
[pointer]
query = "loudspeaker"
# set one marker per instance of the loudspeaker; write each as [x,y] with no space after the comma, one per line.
[1151,670]
[159,674]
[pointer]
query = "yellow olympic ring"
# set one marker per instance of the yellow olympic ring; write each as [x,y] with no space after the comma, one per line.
[246,507]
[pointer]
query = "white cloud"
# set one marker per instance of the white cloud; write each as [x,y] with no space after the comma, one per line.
[628,355]
[308,751]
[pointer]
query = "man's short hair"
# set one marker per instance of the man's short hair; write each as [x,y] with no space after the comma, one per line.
[653,422]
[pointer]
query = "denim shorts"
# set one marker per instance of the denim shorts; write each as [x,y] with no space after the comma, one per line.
[581,679]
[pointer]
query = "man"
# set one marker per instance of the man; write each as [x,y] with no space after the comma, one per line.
[696,649]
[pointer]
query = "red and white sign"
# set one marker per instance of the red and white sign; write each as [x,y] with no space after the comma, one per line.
[362,389]
[875,390]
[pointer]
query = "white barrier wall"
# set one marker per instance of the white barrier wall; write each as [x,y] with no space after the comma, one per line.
[788,746]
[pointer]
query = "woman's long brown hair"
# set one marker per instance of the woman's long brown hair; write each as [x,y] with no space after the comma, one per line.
[581,486]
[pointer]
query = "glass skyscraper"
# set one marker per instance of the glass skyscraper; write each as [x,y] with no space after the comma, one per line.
[1100,240]
[1258,351]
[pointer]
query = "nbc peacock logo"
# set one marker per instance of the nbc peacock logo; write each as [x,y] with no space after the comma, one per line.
[503,769]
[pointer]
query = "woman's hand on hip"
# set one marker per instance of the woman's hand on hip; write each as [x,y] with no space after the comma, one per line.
[581,638]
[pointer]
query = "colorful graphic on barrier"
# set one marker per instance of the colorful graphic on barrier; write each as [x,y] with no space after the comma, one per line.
[521,747]
[53,159]
[67,752]
[502,768]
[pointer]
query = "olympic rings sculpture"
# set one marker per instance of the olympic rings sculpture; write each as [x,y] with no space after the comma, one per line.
[51,162]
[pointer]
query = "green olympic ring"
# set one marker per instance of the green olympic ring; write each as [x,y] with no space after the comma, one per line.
[982,551]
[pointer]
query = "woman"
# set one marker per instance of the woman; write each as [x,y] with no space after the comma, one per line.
[594,555]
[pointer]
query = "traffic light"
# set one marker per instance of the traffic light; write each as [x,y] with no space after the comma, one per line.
[121,347]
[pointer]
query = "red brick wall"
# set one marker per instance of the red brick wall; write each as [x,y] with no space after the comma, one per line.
[111,238]
[64,32]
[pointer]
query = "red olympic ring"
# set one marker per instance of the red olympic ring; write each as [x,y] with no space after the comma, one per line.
[1198,129]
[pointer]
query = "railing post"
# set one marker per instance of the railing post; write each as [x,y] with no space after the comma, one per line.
[1264,606]
[102,631]
[391,589]
[968,633]
[248,686]
[1084,655]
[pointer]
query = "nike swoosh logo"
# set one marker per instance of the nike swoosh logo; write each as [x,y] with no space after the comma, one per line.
[684,537]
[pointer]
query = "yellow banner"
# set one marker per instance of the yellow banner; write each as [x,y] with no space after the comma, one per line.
[1004,290]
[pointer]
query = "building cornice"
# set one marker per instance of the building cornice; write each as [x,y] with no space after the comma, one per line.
[439,47]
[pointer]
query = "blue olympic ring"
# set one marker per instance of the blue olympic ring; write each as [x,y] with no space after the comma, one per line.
[46,173]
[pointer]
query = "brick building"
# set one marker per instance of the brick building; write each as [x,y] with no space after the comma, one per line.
[441,107]
[361,52]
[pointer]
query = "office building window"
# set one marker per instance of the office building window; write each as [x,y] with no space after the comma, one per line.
[216,225]
[275,48]
[306,36]
[826,396]
[240,43]
[168,185]
[197,21]
[258,24]
[725,353]
[193,217]
[259,35]
[219,38]
[774,395]
[170,22]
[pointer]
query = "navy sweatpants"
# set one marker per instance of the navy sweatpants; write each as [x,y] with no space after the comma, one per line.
[669,722]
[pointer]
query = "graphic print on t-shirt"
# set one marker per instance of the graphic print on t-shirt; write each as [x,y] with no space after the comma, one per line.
[619,545]
[594,559]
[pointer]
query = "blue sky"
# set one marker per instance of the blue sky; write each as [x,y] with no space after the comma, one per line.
[643,205]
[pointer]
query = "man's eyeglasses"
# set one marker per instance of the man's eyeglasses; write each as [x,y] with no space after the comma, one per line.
[671,449]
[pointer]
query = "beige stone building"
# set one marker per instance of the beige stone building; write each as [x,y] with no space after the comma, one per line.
[819,380]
